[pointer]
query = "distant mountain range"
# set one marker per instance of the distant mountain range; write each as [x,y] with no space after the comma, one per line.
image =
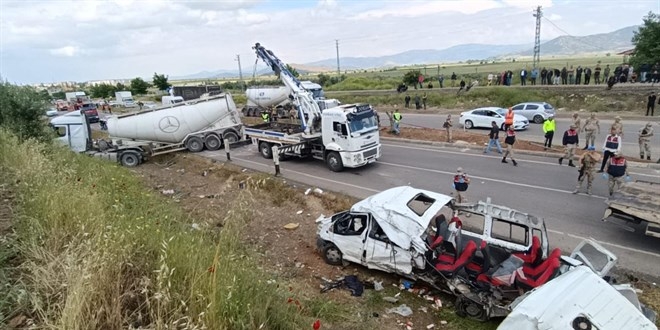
[565,45]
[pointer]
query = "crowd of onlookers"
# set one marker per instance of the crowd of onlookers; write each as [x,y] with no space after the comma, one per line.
[579,75]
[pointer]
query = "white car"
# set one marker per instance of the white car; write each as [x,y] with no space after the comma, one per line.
[537,112]
[52,112]
[482,117]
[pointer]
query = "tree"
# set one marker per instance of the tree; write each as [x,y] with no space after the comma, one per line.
[323,79]
[22,110]
[139,86]
[121,87]
[411,78]
[45,95]
[293,71]
[160,81]
[103,91]
[647,42]
[59,95]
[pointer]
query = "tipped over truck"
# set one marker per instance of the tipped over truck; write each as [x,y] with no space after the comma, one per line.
[193,126]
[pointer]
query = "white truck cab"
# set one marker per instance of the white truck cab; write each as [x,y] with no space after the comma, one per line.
[351,130]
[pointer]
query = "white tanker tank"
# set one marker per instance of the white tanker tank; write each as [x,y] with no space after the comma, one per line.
[266,96]
[176,123]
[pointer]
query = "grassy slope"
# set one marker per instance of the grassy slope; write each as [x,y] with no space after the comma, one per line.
[95,250]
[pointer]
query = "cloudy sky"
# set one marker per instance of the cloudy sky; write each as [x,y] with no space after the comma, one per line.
[49,41]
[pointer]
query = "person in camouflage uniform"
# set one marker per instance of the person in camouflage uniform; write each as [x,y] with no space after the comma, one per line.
[645,135]
[591,129]
[587,165]
[577,121]
[618,126]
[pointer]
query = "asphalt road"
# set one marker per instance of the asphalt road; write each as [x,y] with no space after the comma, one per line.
[538,186]
[535,131]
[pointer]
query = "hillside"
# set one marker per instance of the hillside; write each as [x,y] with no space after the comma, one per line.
[603,42]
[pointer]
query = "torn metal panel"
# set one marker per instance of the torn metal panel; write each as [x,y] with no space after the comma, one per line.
[579,295]
[401,220]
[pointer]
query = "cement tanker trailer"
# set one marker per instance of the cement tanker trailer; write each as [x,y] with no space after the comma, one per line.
[260,98]
[193,126]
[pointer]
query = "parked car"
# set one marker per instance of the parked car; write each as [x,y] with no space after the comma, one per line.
[90,110]
[482,117]
[52,112]
[537,112]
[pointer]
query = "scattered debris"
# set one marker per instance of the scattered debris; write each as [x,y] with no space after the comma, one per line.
[299,212]
[378,286]
[318,191]
[402,310]
[168,192]
[424,309]
[443,322]
[430,326]
[391,299]
[291,226]
[308,191]
[349,282]
[196,226]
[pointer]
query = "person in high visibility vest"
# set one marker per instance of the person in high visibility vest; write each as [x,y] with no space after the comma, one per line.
[508,119]
[397,121]
[616,169]
[265,116]
[549,126]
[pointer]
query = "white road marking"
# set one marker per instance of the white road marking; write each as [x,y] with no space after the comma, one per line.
[465,153]
[312,176]
[487,179]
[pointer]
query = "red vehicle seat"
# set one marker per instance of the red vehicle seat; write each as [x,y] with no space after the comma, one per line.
[551,270]
[534,254]
[450,269]
[479,264]
[533,272]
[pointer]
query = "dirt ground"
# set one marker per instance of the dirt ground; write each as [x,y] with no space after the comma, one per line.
[204,189]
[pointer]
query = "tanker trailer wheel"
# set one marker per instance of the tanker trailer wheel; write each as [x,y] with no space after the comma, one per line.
[466,307]
[212,142]
[265,151]
[194,144]
[129,159]
[230,137]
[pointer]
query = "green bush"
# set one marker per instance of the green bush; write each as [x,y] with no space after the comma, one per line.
[98,251]
[22,111]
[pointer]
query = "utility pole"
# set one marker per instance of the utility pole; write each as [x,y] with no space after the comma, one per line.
[337,46]
[240,71]
[537,39]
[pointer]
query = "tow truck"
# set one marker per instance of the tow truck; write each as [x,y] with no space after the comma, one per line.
[342,136]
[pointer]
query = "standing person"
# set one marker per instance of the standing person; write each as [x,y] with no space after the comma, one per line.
[418,102]
[523,77]
[424,100]
[447,125]
[616,169]
[441,80]
[587,76]
[453,79]
[650,105]
[606,72]
[590,127]
[461,183]
[265,116]
[571,75]
[564,76]
[597,70]
[645,135]
[510,140]
[549,126]
[570,141]
[397,121]
[533,76]
[494,138]
[508,119]
[618,126]
[577,121]
[612,144]
[587,165]
[407,99]
[544,76]
[578,75]
[462,86]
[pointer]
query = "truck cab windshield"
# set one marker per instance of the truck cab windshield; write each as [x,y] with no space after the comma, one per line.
[362,123]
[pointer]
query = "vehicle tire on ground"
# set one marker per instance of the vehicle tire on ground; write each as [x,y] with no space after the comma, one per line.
[264,150]
[538,119]
[468,308]
[503,127]
[194,144]
[212,142]
[332,255]
[129,158]
[334,162]
[468,124]
[230,137]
